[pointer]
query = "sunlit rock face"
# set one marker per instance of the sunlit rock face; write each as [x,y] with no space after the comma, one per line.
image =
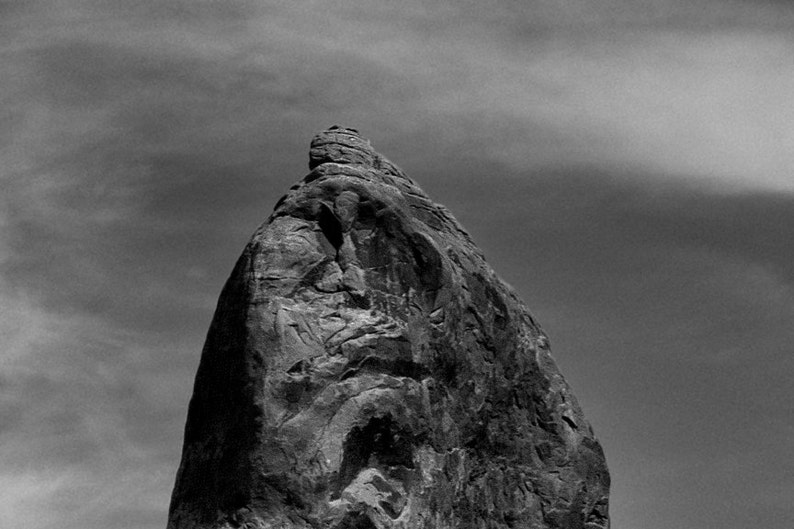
[366,368]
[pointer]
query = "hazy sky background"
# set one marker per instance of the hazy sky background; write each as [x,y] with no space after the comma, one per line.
[627,165]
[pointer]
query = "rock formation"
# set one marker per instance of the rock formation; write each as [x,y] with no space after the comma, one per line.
[366,368]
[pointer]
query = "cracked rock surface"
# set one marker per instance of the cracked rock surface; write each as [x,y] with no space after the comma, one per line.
[366,368]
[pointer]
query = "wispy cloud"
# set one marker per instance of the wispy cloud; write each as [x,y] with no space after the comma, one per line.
[87,415]
[695,91]
[701,96]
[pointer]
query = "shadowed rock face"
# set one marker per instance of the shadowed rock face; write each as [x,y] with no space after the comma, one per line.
[366,368]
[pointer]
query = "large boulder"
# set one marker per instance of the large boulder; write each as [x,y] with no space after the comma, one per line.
[366,368]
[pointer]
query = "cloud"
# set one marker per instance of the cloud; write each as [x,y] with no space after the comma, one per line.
[90,411]
[701,98]
[89,416]
[691,91]
[696,92]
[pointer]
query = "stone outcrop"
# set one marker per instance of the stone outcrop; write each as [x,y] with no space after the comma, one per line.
[366,368]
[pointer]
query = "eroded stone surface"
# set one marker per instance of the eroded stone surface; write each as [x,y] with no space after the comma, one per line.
[366,368]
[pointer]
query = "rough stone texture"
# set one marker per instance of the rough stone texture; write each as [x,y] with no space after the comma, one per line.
[366,368]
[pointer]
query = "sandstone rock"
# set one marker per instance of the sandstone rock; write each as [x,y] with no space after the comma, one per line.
[366,368]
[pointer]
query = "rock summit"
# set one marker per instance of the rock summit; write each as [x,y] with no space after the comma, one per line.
[367,369]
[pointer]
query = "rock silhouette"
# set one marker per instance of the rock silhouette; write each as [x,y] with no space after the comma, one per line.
[366,368]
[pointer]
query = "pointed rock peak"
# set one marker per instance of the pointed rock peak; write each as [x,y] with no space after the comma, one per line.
[343,146]
[366,368]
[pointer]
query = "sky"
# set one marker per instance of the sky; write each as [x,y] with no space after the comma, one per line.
[628,166]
